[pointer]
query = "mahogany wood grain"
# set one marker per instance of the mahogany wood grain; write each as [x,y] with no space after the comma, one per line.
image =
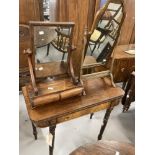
[29,10]
[127,31]
[105,148]
[99,94]
[124,63]
[58,69]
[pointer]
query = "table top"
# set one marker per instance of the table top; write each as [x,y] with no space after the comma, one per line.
[119,51]
[98,92]
[105,148]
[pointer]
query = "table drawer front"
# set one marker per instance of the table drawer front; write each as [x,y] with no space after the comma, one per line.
[45,123]
[83,112]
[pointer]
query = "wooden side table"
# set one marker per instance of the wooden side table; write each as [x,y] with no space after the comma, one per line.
[105,148]
[99,95]
[124,63]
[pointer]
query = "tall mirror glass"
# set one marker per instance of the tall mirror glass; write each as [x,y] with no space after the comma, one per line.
[104,33]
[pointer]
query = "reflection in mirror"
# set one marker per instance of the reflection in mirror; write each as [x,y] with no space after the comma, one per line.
[101,39]
[105,31]
[51,48]
[51,43]
[47,9]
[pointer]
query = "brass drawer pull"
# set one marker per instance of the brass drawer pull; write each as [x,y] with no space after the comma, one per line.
[122,69]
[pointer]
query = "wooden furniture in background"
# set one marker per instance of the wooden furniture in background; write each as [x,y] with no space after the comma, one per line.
[129,95]
[24,43]
[123,64]
[28,10]
[99,95]
[105,148]
[46,92]
[127,35]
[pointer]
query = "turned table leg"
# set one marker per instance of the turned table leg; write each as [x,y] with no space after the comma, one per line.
[52,131]
[91,115]
[129,99]
[105,120]
[34,131]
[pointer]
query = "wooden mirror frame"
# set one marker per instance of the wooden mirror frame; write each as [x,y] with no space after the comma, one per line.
[31,52]
[98,15]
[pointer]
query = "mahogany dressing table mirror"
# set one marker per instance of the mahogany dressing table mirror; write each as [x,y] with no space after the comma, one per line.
[52,79]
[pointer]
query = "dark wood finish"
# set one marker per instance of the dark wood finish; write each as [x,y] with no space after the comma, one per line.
[105,148]
[52,131]
[99,95]
[129,95]
[123,64]
[105,120]
[34,131]
[91,115]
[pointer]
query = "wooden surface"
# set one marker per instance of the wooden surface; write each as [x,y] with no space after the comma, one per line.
[54,90]
[50,68]
[99,94]
[105,148]
[24,43]
[120,54]
[124,63]
[127,31]
[29,10]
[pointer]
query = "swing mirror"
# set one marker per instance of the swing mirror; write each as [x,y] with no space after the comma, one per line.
[104,33]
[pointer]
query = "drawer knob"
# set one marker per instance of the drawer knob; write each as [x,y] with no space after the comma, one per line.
[122,69]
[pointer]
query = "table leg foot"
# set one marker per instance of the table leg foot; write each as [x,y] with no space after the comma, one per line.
[34,131]
[105,120]
[126,107]
[91,115]
[52,131]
